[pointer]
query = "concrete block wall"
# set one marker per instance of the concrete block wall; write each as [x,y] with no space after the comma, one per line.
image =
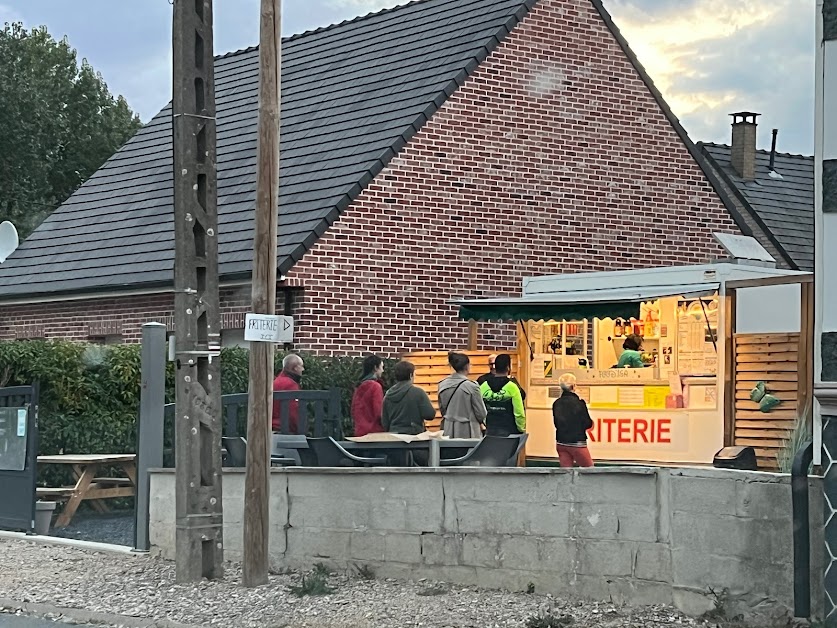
[633,535]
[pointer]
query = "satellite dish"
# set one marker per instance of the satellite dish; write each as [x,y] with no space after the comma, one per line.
[8,240]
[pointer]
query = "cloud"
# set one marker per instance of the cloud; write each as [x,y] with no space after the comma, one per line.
[712,57]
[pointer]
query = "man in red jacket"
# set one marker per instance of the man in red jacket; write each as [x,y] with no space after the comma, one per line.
[368,400]
[288,379]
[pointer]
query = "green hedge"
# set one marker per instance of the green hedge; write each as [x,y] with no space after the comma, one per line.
[89,394]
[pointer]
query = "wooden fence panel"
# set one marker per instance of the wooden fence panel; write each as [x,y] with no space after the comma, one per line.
[772,359]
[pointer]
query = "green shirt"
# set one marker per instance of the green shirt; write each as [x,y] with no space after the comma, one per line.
[630,359]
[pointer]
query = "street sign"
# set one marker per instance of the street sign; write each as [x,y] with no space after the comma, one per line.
[268,328]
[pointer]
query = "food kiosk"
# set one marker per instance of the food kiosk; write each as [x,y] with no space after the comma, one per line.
[670,410]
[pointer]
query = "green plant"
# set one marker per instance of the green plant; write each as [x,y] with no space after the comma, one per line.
[313,584]
[321,570]
[797,439]
[530,588]
[548,620]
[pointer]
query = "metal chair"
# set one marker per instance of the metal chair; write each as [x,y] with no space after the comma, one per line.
[492,451]
[521,442]
[330,454]
[236,447]
[294,447]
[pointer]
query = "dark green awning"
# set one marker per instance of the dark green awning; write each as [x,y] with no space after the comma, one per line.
[576,305]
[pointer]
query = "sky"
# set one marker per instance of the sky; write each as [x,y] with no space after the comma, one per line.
[709,58]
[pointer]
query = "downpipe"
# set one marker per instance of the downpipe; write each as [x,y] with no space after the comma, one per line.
[801,532]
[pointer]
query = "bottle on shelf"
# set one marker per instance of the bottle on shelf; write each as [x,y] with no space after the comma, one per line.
[617,328]
[649,326]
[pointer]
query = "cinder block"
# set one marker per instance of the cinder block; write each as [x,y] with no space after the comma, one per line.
[652,562]
[616,488]
[703,495]
[328,512]
[442,549]
[621,590]
[368,546]
[764,500]
[605,558]
[614,521]
[403,548]
[481,550]
[315,543]
[533,554]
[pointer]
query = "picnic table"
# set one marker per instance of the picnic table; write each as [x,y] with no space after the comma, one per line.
[86,468]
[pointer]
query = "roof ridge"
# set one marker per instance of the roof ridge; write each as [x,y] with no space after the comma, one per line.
[764,151]
[323,29]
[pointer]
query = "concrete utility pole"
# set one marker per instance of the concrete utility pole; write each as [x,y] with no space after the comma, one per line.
[199,540]
[256,490]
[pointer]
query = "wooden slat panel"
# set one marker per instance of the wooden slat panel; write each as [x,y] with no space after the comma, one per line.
[782,395]
[770,424]
[742,404]
[767,369]
[767,359]
[774,384]
[765,339]
[779,347]
[762,434]
[776,413]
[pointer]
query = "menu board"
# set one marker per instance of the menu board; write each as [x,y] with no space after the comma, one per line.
[696,353]
[13,439]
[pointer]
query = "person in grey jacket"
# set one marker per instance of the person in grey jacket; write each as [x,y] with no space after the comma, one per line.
[460,400]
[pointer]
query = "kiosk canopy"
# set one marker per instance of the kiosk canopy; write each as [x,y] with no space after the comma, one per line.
[576,304]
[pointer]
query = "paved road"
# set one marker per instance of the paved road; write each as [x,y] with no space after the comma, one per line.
[15,621]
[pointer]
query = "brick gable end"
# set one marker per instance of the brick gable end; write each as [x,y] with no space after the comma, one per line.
[552,157]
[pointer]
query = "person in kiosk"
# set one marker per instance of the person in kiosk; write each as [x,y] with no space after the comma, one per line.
[503,401]
[572,420]
[631,356]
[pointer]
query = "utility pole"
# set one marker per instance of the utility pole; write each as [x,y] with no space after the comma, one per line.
[199,538]
[256,489]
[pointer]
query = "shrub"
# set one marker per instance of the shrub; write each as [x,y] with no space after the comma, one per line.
[89,394]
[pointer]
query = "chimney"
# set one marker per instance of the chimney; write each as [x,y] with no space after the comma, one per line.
[744,144]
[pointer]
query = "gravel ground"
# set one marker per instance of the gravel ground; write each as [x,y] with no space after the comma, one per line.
[116,528]
[142,586]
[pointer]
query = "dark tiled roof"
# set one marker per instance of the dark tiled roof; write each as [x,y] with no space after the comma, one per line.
[352,95]
[784,206]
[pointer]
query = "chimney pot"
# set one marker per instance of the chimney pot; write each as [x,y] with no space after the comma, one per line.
[744,144]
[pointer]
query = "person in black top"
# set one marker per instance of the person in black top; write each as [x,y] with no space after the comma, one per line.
[572,420]
[492,372]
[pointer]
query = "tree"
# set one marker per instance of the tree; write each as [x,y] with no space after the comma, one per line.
[58,124]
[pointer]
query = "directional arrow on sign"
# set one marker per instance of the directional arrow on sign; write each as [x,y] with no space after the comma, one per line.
[286,324]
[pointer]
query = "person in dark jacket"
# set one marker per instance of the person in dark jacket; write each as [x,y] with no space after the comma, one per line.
[368,400]
[288,380]
[503,401]
[406,406]
[572,420]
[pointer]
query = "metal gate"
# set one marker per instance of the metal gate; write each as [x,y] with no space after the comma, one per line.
[18,457]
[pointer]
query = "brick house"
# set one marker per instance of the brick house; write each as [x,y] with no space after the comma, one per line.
[433,151]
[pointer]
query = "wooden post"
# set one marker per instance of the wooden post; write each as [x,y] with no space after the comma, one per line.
[728,407]
[473,331]
[198,504]
[256,487]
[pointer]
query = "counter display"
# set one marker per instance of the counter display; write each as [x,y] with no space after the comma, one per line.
[665,410]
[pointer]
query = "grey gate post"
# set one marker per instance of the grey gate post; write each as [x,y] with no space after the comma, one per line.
[149,425]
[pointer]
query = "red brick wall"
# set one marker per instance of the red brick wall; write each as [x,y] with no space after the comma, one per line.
[553,157]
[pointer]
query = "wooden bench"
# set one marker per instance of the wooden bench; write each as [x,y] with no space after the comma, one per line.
[55,494]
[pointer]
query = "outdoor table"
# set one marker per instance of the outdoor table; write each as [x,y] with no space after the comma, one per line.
[404,442]
[85,468]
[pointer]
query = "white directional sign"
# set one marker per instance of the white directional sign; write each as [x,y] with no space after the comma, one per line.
[268,328]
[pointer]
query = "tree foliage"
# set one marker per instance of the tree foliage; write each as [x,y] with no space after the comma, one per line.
[58,124]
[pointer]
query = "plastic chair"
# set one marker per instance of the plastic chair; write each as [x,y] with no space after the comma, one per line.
[330,454]
[521,442]
[236,447]
[492,451]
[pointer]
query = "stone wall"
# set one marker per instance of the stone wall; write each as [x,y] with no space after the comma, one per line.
[634,535]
